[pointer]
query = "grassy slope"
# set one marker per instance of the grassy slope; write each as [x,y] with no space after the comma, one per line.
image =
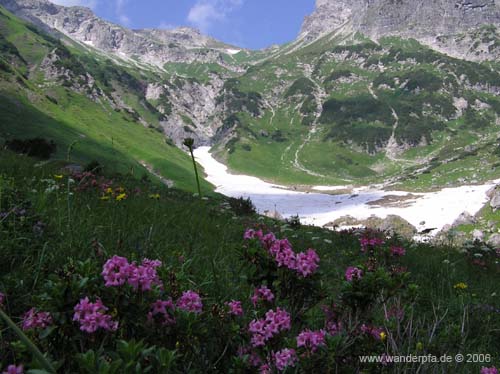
[208,236]
[327,153]
[113,138]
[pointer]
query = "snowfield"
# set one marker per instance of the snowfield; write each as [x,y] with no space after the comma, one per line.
[436,209]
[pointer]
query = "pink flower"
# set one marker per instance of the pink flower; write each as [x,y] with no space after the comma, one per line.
[370,243]
[252,234]
[311,339]
[36,320]
[2,299]
[190,301]
[283,253]
[398,251]
[162,310]
[333,328]
[376,332]
[353,273]
[116,271]
[284,359]
[92,316]
[307,263]
[265,369]
[144,276]
[267,240]
[264,329]
[491,370]
[13,369]
[235,308]
[262,294]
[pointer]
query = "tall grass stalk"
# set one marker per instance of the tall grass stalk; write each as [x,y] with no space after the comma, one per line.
[28,343]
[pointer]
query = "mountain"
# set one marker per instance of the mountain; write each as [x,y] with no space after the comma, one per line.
[369,92]
[452,26]
[152,47]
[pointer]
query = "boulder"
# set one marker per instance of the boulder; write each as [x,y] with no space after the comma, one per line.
[478,235]
[464,219]
[495,199]
[494,241]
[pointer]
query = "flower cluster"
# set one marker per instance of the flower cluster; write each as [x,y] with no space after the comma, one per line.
[36,320]
[311,340]
[304,263]
[235,308]
[398,251]
[13,369]
[376,332]
[163,311]
[491,370]
[353,273]
[460,286]
[264,329]
[117,271]
[262,294]
[92,316]
[190,301]
[284,359]
[368,243]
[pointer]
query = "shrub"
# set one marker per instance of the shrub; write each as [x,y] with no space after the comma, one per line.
[242,206]
[36,147]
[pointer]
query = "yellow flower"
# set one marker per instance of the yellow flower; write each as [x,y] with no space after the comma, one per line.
[120,189]
[155,196]
[460,286]
[109,190]
[383,335]
[121,197]
[58,176]
[104,198]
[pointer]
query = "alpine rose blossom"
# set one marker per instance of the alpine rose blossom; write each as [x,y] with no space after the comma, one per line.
[190,301]
[284,359]
[311,339]
[36,320]
[353,273]
[144,276]
[116,271]
[264,329]
[13,369]
[262,294]
[491,370]
[162,311]
[235,308]
[307,263]
[398,251]
[92,316]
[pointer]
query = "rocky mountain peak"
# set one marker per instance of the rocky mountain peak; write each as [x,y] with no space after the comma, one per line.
[429,21]
[154,47]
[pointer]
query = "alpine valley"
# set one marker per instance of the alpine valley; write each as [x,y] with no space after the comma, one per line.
[170,203]
[352,100]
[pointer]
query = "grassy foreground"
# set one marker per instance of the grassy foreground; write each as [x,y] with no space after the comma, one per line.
[370,295]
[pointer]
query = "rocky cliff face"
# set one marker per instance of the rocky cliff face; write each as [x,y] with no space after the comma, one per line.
[154,47]
[444,24]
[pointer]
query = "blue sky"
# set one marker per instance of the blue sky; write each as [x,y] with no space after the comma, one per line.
[251,24]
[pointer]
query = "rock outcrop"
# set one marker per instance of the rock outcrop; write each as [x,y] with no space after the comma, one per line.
[452,26]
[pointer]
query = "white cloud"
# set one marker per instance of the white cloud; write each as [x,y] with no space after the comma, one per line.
[120,12]
[206,12]
[87,3]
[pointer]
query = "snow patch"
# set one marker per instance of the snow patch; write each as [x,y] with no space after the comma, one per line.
[233,51]
[436,209]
